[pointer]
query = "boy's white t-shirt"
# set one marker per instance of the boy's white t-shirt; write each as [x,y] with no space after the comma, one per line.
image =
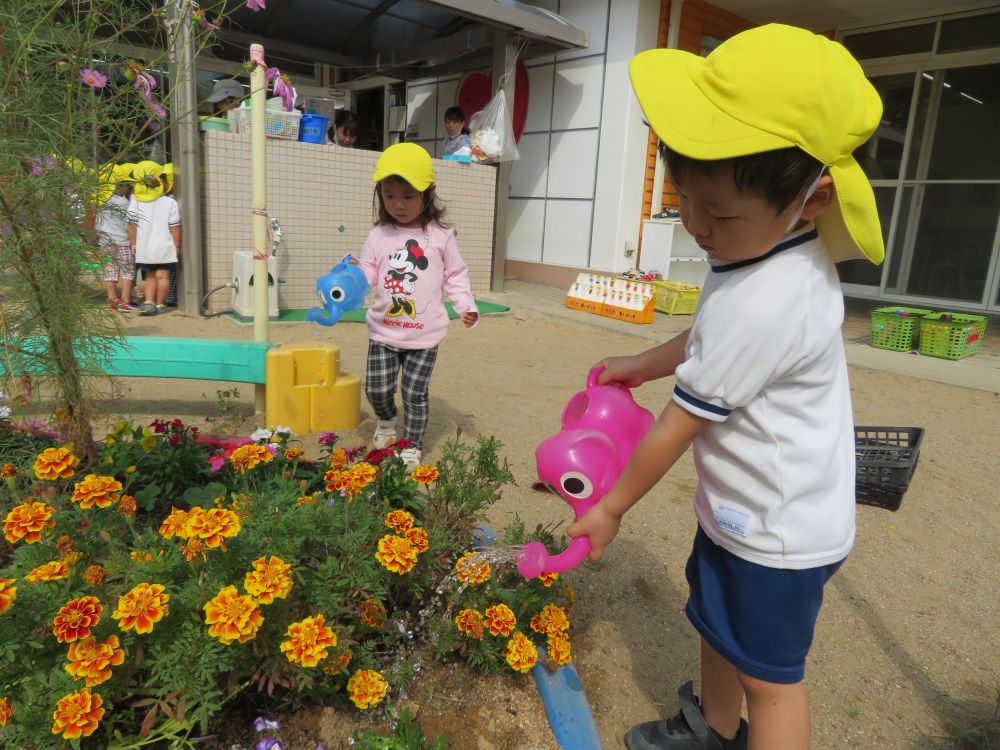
[111,224]
[765,361]
[153,220]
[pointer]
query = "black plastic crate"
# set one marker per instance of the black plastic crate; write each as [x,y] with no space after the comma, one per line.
[886,459]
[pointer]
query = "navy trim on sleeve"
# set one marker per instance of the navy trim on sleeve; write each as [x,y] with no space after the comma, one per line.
[699,404]
[787,244]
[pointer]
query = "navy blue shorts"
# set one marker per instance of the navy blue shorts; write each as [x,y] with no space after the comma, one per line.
[759,619]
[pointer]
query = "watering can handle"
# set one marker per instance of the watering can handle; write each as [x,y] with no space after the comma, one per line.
[595,372]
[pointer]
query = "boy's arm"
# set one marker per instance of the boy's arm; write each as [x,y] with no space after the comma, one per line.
[652,364]
[175,232]
[131,237]
[666,441]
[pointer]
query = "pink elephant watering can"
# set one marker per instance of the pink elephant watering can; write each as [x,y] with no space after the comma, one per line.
[601,428]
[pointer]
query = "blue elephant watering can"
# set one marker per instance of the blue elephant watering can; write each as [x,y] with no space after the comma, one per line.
[342,290]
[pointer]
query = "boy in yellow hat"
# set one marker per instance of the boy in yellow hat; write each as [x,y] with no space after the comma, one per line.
[758,139]
[154,234]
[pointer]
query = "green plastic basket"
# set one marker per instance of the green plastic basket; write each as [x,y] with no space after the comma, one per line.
[951,335]
[896,328]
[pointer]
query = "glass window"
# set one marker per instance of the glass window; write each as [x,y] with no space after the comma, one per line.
[973,32]
[882,156]
[896,254]
[905,40]
[966,143]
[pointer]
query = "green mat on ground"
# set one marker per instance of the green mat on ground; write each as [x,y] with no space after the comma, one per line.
[358,316]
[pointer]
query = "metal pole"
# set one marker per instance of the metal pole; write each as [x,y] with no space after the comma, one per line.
[504,57]
[258,180]
[187,158]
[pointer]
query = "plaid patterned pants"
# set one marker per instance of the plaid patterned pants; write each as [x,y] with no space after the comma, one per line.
[384,363]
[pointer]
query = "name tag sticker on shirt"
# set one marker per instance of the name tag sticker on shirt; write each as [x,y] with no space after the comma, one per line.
[732,520]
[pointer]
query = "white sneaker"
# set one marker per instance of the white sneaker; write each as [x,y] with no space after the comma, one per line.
[385,433]
[411,458]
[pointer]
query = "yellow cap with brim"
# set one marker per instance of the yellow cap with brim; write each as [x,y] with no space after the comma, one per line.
[407,161]
[768,88]
[147,181]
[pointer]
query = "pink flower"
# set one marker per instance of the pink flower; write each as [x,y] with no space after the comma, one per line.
[144,84]
[93,78]
[272,73]
[203,20]
[283,88]
[157,109]
[255,4]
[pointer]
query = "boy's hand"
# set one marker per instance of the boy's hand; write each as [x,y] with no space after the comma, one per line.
[627,371]
[600,525]
[469,319]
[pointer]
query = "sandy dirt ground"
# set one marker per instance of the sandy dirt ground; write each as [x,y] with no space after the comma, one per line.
[907,649]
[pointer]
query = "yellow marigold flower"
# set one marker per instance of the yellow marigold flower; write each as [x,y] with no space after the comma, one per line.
[425,474]
[27,521]
[557,646]
[372,613]
[292,453]
[548,579]
[396,554]
[521,653]
[92,661]
[212,526]
[338,459]
[96,490]
[367,688]
[94,575]
[72,558]
[308,641]
[148,441]
[472,568]
[500,619]
[399,520]
[174,525]
[418,539]
[6,712]
[77,714]
[127,505]
[141,556]
[8,593]
[336,480]
[131,469]
[470,622]
[247,456]
[552,619]
[365,473]
[55,463]
[269,579]
[50,571]
[193,548]
[232,616]
[337,662]
[76,618]
[142,607]
[7,471]
[305,500]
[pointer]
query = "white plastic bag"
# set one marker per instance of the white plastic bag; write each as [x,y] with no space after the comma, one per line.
[492,138]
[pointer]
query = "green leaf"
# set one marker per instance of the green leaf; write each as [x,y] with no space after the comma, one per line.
[204,496]
[146,497]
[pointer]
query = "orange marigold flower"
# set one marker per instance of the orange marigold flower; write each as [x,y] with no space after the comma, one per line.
[55,463]
[472,568]
[365,473]
[94,575]
[521,653]
[142,607]
[500,619]
[425,474]
[338,459]
[77,714]
[127,506]
[306,500]
[418,539]
[141,556]
[193,548]
[7,471]
[72,558]
[337,662]
[76,618]
[232,616]
[6,712]
[8,594]
[92,661]
[174,525]
[269,579]
[247,456]
[50,571]
[552,619]
[308,641]
[64,546]
[399,520]
[96,490]
[292,453]
[557,646]
[212,526]
[367,688]
[336,480]
[548,578]
[27,521]
[470,622]
[372,613]
[396,554]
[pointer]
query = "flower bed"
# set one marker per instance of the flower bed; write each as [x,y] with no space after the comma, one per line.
[141,595]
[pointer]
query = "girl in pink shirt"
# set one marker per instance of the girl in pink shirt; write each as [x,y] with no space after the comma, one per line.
[411,260]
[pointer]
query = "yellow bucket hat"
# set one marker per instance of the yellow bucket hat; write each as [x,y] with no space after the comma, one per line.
[147,181]
[168,175]
[767,88]
[408,161]
[109,176]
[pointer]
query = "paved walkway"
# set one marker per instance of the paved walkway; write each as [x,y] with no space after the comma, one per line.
[981,371]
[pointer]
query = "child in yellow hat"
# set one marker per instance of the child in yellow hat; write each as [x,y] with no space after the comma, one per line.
[111,225]
[758,138]
[154,234]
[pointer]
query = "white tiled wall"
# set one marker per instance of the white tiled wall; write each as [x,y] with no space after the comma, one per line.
[322,196]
